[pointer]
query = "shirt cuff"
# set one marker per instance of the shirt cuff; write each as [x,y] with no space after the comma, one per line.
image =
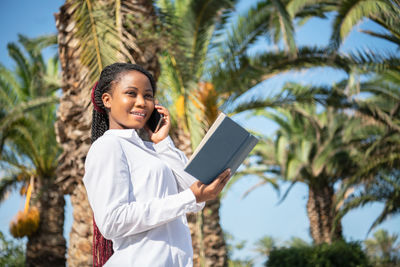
[189,199]
[163,144]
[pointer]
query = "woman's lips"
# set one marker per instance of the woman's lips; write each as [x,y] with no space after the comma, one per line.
[139,114]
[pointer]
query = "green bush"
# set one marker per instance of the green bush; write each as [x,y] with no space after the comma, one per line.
[338,254]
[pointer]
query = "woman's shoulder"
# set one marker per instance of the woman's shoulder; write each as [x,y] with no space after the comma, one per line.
[105,144]
[106,151]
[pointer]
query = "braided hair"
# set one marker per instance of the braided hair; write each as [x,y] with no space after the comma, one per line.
[103,248]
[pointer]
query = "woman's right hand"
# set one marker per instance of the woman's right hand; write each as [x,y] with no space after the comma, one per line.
[204,192]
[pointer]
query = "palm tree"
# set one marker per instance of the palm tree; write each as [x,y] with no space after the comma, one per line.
[315,148]
[379,180]
[197,87]
[192,102]
[91,35]
[383,249]
[297,242]
[265,245]
[377,144]
[383,152]
[29,149]
[232,246]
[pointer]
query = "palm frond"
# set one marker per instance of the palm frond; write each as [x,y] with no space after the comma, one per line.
[34,46]
[372,62]
[18,112]
[23,68]
[377,114]
[286,26]
[238,36]
[27,114]
[8,96]
[388,37]
[382,188]
[265,180]
[350,12]
[34,54]
[102,42]
[292,184]
[7,184]
[305,9]
[388,210]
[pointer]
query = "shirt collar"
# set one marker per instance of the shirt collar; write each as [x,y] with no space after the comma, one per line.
[132,136]
[125,133]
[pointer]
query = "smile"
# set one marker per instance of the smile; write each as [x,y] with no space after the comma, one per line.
[141,114]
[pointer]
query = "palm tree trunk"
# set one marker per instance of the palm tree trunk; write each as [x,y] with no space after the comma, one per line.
[321,213]
[74,119]
[215,250]
[209,247]
[73,133]
[81,235]
[46,247]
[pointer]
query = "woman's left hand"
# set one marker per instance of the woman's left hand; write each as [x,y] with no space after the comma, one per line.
[163,131]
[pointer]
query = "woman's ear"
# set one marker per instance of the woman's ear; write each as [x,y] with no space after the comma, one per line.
[106,97]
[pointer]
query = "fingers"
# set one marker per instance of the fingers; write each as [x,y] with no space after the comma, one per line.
[162,110]
[225,179]
[205,192]
[224,176]
[221,181]
[164,128]
[227,175]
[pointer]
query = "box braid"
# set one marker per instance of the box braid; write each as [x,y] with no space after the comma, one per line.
[102,248]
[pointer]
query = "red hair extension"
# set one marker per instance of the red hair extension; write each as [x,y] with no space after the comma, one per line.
[94,103]
[102,248]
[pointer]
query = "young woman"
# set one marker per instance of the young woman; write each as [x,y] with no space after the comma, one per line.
[137,189]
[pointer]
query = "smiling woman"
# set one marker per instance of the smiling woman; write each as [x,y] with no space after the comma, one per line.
[137,189]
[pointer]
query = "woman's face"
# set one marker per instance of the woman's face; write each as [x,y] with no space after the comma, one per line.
[130,102]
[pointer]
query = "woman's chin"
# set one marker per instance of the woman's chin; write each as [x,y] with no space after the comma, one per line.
[138,125]
[129,124]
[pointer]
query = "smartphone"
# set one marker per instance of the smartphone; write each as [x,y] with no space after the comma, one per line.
[155,121]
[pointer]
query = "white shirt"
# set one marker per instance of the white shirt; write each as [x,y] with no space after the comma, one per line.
[140,195]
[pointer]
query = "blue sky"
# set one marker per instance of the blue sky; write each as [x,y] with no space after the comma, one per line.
[258,214]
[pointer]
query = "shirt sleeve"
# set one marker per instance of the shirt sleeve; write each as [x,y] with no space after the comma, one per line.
[107,182]
[176,160]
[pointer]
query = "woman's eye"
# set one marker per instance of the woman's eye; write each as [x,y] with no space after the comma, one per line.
[132,93]
[149,96]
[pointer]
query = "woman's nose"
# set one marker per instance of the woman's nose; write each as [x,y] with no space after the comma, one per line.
[140,100]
